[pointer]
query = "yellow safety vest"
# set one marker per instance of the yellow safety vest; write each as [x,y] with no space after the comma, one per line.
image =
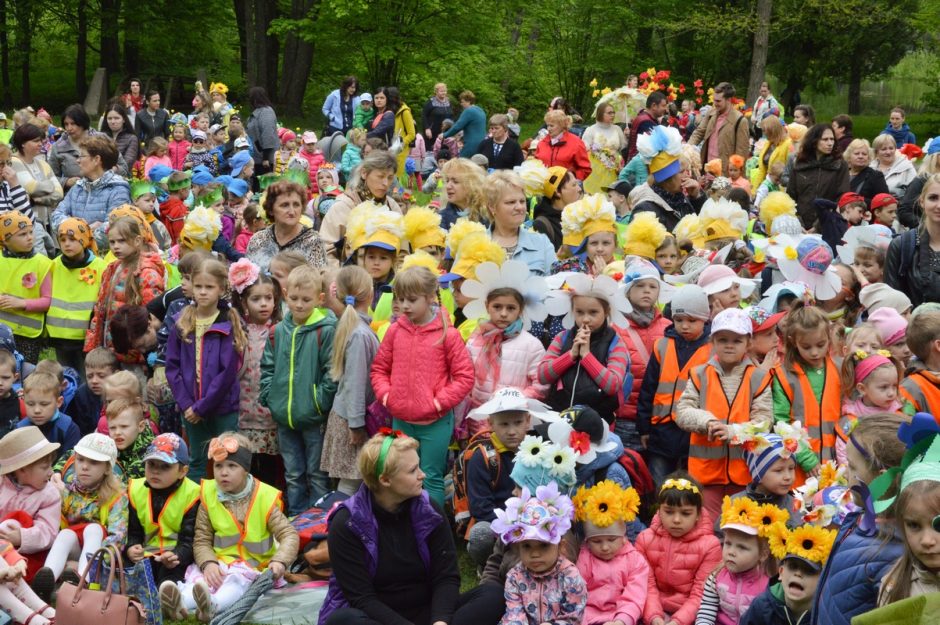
[251,543]
[22,277]
[74,292]
[163,534]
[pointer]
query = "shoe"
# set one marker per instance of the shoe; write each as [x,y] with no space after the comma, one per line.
[171,602]
[205,609]
[44,584]
[69,576]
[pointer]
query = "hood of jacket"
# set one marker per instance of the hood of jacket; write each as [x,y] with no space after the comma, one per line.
[318,318]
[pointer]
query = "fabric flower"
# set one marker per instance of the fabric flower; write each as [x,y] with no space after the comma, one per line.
[242,274]
[741,510]
[562,462]
[604,506]
[580,442]
[29,280]
[811,542]
[87,275]
[531,451]
[777,536]
[769,515]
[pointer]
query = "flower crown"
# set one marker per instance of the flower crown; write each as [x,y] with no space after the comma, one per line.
[860,354]
[567,285]
[606,503]
[753,436]
[535,453]
[680,484]
[544,517]
[826,499]
[808,542]
[746,511]
[242,274]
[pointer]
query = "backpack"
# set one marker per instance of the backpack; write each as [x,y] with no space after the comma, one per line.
[908,242]
[478,443]
[633,463]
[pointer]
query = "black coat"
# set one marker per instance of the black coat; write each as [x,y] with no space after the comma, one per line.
[909,210]
[510,155]
[148,127]
[868,183]
[433,116]
[907,268]
[827,178]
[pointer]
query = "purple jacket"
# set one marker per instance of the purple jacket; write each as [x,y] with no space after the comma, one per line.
[424,520]
[217,391]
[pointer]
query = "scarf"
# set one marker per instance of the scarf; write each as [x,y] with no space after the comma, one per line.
[76,487]
[442,104]
[493,339]
[642,319]
[80,263]
[249,486]
[11,254]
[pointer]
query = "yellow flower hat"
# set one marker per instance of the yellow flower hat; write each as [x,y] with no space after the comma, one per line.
[589,215]
[423,228]
[475,248]
[644,235]
[747,516]
[809,543]
[604,506]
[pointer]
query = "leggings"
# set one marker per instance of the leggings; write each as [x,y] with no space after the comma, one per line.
[433,439]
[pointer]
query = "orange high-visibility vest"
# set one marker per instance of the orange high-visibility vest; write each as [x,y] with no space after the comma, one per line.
[922,389]
[819,415]
[714,462]
[672,379]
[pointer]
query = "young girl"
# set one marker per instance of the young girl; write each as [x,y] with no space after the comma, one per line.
[615,574]
[724,288]
[587,365]
[135,277]
[252,222]
[94,510]
[328,182]
[156,154]
[667,255]
[26,284]
[807,386]
[736,173]
[421,372]
[178,148]
[257,297]
[287,151]
[202,360]
[681,549]
[354,348]
[17,599]
[892,328]
[240,531]
[545,586]
[870,386]
[589,228]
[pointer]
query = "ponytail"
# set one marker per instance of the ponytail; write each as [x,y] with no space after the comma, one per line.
[353,287]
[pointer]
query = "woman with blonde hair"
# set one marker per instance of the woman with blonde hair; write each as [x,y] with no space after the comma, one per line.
[896,168]
[463,186]
[909,209]
[863,179]
[776,150]
[563,148]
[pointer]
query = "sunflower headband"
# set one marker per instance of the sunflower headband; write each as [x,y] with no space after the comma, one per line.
[390,436]
[605,504]
[746,515]
[681,484]
[228,448]
[807,542]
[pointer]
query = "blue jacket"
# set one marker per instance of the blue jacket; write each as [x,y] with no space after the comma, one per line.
[92,201]
[902,135]
[535,250]
[86,406]
[768,608]
[473,123]
[851,579]
[60,429]
[333,110]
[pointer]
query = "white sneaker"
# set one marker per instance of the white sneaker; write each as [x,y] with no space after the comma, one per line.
[171,602]
[205,605]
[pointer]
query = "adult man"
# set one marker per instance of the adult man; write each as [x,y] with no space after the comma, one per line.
[647,119]
[500,150]
[724,131]
[842,127]
[435,111]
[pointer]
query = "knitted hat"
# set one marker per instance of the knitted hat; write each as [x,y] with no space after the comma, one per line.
[880,295]
[732,320]
[538,463]
[662,147]
[692,301]
[760,461]
[787,224]
[641,270]
[97,447]
[644,235]
[22,447]
[890,324]
[544,517]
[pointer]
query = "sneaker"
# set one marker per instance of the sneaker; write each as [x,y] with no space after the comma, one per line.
[205,608]
[171,602]
[69,575]
[44,584]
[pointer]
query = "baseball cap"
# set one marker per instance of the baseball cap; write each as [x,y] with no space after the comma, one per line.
[762,319]
[214,128]
[238,162]
[365,97]
[309,137]
[202,175]
[621,186]
[881,200]
[849,198]
[241,142]
[168,448]
[237,187]
[195,133]
[97,447]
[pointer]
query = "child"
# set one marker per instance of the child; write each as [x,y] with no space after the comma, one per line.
[352,155]
[313,156]
[16,598]
[892,327]
[86,406]
[870,386]
[684,346]
[144,196]
[178,148]
[770,184]
[173,210]
[76,280]
[736,173]
[375,238]
[42,398]
[765,341]
[362,116]
[297,388]
[200,154]
[157,154]
[202,361]
[330,190]
[834,219]
[807,386]
[884,210]
[615,574]
[94,511]
[681,550]
[723,395]
[122,385]
[723,287]
[354,348]
[421,400]
[618,194]
[668,256]
[136,276]
[129,428]
[257,297]
[288,149]
[921,389]
[162,513]
[281,265]
[10,409]
[545,586]
[252,222]
[591,305]
[235,507]
[26,284]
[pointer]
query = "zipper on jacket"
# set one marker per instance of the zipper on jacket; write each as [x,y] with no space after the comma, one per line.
[290,379]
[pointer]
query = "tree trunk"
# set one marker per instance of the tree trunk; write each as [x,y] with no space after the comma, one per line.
[759,51]
[23,12]
[110,26]
[272,46]
[298,59]
[81,58]
[131,41]
[5,55]
[241,20]
[262,49]
[855,86]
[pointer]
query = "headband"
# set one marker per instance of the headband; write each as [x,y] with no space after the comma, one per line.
[227,448]
[390,436]
[681,484]
[868,363]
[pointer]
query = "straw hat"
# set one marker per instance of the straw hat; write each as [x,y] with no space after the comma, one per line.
[22,447]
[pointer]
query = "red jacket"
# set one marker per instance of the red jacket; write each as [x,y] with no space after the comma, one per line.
[173,215]
[414,368]
[639,357]
[178,151]
[569,152]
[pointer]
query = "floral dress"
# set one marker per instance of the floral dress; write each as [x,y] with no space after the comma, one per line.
[81,507]
[604,143]
[254,420]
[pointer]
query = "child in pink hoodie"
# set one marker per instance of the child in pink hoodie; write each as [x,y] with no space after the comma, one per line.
[615,573]
[872,379]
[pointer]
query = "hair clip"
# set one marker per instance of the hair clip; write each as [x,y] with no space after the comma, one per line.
[681,484]
[350,300]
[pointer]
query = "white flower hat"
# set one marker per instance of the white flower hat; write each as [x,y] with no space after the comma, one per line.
[810,262]
[568,284]
[874,236]
[641,269]
[564,434]
[513,274]
[771,295]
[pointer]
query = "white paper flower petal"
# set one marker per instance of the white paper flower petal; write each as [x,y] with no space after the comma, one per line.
[475,309]
[473,288]
[488,273]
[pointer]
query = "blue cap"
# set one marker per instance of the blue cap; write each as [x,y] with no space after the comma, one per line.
[202,175]
[237,187]
[168,448]
[238,161]
[159,172]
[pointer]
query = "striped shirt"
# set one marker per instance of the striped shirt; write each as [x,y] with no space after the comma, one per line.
[608,378]
[14,199]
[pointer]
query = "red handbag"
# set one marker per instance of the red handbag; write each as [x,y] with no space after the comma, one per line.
[80,605]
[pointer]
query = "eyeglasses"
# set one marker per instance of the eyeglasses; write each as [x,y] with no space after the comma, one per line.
[199,140]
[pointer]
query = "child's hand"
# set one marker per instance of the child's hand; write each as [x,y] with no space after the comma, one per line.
[278,569]
[214,575]
[191,416]
[771,360]
[579,347]
[17,571]
[135,553]
[12,535]
[168,559]
[718,431]
[358,437]
[11,302]
[815,471]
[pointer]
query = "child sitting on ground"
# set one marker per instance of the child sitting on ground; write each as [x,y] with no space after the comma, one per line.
[16,597]
[129,428]
[42,396]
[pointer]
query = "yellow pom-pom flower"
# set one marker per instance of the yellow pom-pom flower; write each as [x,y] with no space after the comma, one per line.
[604,504]
[790,253]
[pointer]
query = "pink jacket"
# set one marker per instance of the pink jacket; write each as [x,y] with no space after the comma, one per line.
[736,592]
[678,568]
[616,588]
[313,161]
[639,357]
[178,151]
[418,376]
[852,409]
[44,506]
[518,367]
[557,597]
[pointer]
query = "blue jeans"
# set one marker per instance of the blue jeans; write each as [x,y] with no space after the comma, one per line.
[626,430]
[433,440]
[199,435]
[661,466]
[301,450]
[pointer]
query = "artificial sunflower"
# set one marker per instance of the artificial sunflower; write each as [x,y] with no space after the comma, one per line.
[604,505]
[531,451]
[579,500]
[631,504]
[741,510]
[811,543]
[777,535]
[769,515]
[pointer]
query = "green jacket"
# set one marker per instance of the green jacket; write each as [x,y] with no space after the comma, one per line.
[295,381]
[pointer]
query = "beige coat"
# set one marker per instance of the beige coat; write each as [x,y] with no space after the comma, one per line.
[734,137]
[690,416]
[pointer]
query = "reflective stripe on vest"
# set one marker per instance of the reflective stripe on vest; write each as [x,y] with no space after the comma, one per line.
[74,292]
[162,534]
[23,278]
[233,542]
[672,379]
[714,461]
[818,415]
[922,389]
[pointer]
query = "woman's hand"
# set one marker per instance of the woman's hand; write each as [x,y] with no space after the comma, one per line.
[278,569]
[692,187]
[214,575]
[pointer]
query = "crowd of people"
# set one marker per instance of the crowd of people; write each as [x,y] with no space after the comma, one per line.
[673,368]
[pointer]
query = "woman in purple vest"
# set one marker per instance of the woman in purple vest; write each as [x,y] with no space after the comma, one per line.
[392,552]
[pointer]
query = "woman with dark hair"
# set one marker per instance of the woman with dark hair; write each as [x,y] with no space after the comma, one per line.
[34,174]
[99,190]
[283,206]
[817,173]
[912,261]
[386,102]
[135,95]
[339,106]
[118,127]
[262,128]
[63,156]
[152,121]
[472,122]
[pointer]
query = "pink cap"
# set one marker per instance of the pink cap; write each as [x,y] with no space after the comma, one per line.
[890,325]
[310,137]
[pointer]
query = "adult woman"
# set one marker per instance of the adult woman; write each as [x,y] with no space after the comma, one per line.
[34,174]
[909,210]
[383,124]
[119,128]
[283,206]
[373,180]
[776,149]
[391,549]
[99,190]
[202,103]
[817,173]
[863,180]
[339,106]
[507,209]
[404,128]
[152,121]
[135,95]
[500,149]
[765,105]
[670,192]
[912,265]
[472,122]
[262,128]
[560,189]
[604,142]
[463,185]
[894,166]
[562,148]
[63,155]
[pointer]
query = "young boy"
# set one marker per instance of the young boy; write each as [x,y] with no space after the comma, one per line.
[770,184]
[728,390]
[144,196]
[884,210]
[765,342]
[364,113]
[618,193]
[684,346]
[163,507]
[299,357]
[173,211]
[85,407]
[835,218]
[42,395]
[69,379]
[10,408]
[921,389]
[129,428]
